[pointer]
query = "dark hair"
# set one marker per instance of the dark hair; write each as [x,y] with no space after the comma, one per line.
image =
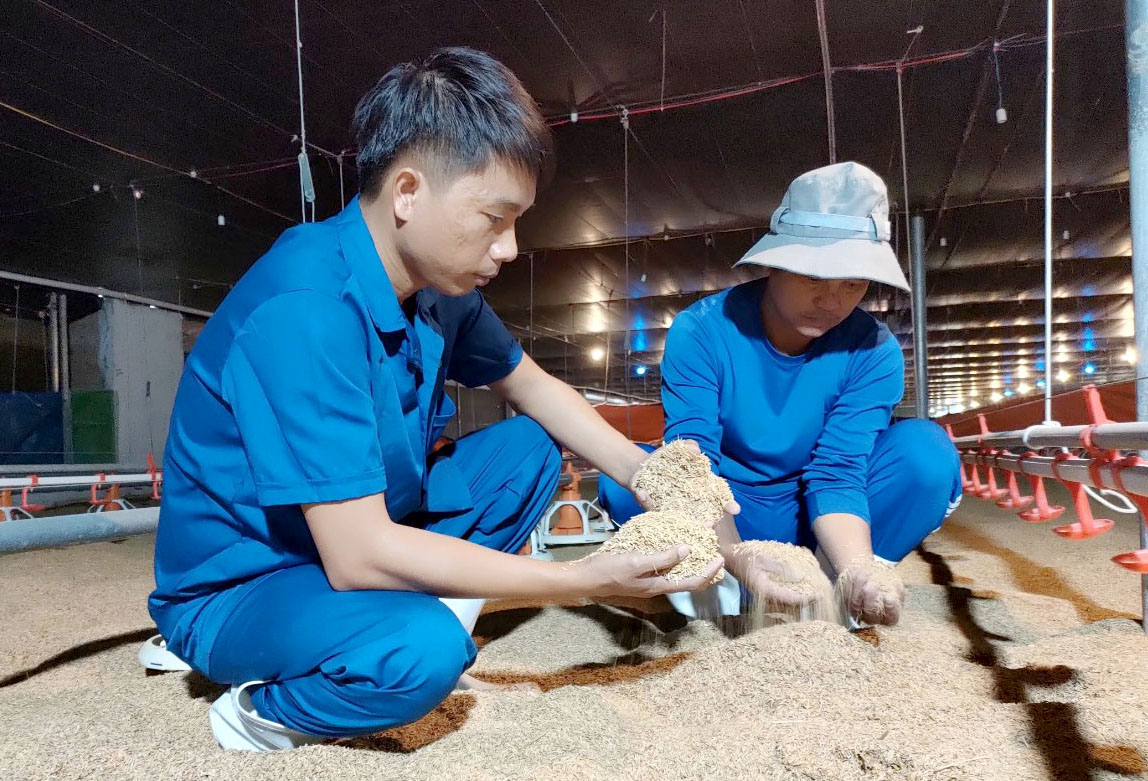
[459,109]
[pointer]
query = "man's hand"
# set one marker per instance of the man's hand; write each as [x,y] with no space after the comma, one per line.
[637,574]
[872,592]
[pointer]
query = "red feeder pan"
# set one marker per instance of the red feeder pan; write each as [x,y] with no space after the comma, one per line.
[1137,560]
[1035,515]
[1078,531]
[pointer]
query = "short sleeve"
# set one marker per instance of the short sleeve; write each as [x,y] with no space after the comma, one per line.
[484,350]
[297,380]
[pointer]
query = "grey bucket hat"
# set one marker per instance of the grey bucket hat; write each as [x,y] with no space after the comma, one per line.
[833,223]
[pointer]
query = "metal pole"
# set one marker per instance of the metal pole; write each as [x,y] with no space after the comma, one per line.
[304,175]
[65,374]
[54,343]
[1135,30]
[102,291]
[1048,90]
[26,535]
[904,163]
[920,334]
[830,121]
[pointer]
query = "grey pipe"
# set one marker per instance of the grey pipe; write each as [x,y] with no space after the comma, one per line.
[103,291]
[920,333]
[26,535]
[1107,436]
[1074,470]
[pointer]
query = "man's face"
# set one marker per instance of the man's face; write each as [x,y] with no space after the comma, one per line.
[809,306]
[455,235]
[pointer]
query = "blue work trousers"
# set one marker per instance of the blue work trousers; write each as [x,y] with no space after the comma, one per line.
[344,663]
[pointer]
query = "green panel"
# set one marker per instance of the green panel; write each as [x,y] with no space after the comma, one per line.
[94,427]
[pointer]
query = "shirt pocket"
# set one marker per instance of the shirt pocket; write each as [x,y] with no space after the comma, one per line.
[439,420]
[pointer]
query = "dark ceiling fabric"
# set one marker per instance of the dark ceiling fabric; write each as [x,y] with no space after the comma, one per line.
[210,88]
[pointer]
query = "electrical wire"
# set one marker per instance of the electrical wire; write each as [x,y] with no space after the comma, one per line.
[134,156]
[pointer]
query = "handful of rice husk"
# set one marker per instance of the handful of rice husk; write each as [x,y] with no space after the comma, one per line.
[654,532]
[678,478]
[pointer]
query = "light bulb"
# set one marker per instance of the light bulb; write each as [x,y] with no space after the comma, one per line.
[597,354]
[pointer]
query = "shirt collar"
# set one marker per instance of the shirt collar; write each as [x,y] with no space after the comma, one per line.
[367,268]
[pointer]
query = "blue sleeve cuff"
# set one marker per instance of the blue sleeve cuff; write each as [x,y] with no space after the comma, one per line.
[489,372]
[837,500]
[328,490]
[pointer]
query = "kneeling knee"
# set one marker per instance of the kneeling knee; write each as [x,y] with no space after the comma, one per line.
[398,680]
[930,459]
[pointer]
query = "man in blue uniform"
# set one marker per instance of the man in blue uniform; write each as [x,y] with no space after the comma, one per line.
[790,390]
[307,533]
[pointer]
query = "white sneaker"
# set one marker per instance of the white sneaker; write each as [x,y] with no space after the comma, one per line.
[237,727]
[155,655]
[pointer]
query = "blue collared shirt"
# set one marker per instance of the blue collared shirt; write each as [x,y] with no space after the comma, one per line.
[311,384]
[771,422]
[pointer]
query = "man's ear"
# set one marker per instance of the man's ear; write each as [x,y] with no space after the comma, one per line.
[407,188]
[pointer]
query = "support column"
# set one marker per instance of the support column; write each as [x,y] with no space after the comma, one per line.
[1136,32]
[65,372]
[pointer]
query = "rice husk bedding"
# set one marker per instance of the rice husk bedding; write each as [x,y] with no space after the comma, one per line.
[679,478]
[797,570]
[654,532]
[626,700]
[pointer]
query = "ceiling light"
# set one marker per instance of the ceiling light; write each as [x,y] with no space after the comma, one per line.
[597,353]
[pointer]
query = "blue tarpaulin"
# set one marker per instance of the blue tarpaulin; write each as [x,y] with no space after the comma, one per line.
[31,428]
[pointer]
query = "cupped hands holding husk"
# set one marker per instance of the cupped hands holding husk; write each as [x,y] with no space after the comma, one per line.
[871,591]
